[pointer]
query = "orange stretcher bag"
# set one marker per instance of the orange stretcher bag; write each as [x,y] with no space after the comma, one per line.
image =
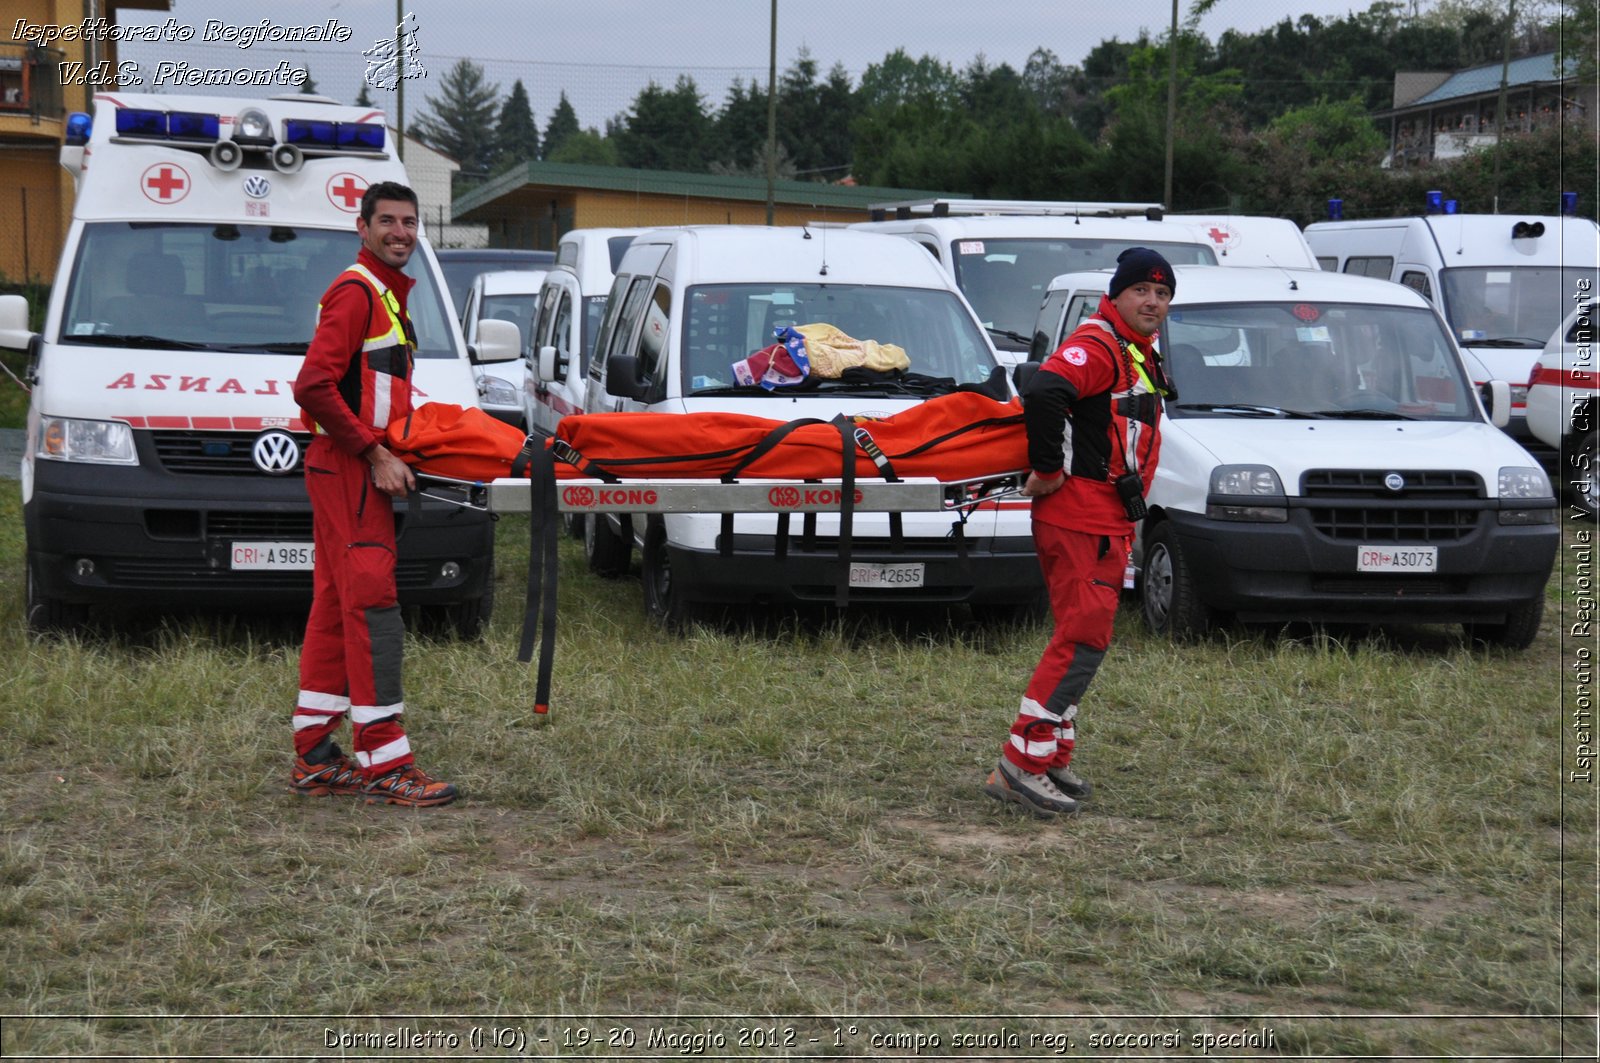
[959,436]
[462,443]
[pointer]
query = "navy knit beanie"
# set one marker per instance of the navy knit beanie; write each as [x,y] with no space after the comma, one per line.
[1141,264]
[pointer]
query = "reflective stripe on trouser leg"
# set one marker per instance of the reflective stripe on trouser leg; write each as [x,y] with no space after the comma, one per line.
[1083,573]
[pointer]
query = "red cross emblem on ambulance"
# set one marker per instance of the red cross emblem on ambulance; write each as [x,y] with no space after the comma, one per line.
[345,191]
[165,182]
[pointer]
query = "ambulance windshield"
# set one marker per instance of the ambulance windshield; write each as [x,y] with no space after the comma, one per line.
[1510,306]
[235,288]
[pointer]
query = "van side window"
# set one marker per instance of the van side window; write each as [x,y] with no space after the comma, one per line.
[1379,266]
[617,327]
[1328,263]
[653,338]
[541,327]
[1045,332]
[1418,280]
[561,334]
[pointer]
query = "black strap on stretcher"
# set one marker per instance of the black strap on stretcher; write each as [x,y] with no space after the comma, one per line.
[539,464]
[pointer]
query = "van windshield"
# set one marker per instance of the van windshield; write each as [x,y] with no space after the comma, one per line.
[1510,306]
[235,288]
[922,331]
[1315,360]
[1005,280]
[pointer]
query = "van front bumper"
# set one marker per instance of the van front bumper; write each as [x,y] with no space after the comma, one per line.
[1292,571]
[756,571]
[109,535]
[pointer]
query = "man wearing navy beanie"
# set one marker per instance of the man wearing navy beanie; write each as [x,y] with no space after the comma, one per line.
[1093,416]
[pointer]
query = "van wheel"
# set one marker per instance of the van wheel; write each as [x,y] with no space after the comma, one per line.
[664,599]
[1583,474]
[606,551]
[45,615]
[1517,632]
[1166,589]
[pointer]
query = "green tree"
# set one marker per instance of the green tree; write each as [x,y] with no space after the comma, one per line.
[308,87]
[516,134]
[666,129]
[586,147]
[563,124]
[738,139]
[1579,37]
[364,98]
[460,121]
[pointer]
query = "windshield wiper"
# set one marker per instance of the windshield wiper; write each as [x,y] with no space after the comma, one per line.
[1248,407]
[1005,333]
[1505,341]
[265,348]
[1367,414]
[98,340]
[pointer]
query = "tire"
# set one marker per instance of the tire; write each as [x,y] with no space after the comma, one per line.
[607,552]
[49,616]
[1171,605]
[664,599]
[465,620]
[574,524]
[1517,632]
[1582,467]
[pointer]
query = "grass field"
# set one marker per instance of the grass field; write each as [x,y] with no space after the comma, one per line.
[1301,845]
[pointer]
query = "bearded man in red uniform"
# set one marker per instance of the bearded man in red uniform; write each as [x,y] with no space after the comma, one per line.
[1093,417]
[356,378]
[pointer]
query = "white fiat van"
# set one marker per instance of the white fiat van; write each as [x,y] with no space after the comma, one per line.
[687,305]
[1327,458]
[163,463]
[1502,281]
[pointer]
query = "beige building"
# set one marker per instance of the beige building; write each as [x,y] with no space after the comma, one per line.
[41,81]
[533,204]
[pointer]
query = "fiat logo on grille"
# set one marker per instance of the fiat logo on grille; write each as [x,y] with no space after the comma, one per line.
[276,453]
[1394,482]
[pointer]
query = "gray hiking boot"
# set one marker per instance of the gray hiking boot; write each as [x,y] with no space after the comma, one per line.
[1070,783]
[1037,794]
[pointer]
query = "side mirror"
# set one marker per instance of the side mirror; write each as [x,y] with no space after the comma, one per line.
[544,369]
[498,341]
[1496,396]
[1021,373]
[14,332]
[622,377]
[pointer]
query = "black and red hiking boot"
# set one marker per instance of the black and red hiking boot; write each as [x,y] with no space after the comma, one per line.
[338,776]
[409,786]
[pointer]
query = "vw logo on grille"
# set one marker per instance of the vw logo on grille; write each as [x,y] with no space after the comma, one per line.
[276,453]
[1394,482]
[257,187]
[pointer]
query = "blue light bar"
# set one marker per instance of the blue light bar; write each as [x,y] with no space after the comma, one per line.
[1449,206]
[1335,209]
[80,126]
[305,133]
[141,123]
[1435,201]
[361,136]
[191,125]
[1569,203]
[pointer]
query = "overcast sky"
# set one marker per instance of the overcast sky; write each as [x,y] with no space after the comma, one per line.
[602,52]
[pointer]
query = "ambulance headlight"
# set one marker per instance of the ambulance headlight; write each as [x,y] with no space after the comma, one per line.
[91,442]
[497,392]
[1246,492]
[252,125]
[1520,484]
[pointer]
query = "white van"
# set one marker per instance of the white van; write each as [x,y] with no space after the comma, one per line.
[572,302]
[1250,240]
[1502,281]
[163,458]
[687,305]
[1327,459]
[501,295]
[1002,253]
[1563,401]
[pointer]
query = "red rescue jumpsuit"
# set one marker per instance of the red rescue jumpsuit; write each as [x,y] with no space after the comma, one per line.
[355,380]
[1085,415]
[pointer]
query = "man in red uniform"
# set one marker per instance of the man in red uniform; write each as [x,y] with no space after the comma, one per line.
[355,380]
[1093,416]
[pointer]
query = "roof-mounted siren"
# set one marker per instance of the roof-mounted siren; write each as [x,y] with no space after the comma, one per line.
[1527,230]
[286,158]
[226,155]
[1569,204]
[1335,210]
[76,141]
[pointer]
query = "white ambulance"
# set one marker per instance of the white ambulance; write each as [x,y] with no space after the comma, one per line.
[1502,281]
[163,464]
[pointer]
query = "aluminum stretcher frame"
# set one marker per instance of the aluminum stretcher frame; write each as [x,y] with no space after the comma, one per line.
[916,495]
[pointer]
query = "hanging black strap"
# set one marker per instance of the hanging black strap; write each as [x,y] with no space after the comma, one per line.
[847,506]
[543,531]
[870,448]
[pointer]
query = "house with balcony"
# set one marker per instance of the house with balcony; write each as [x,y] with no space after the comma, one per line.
[41,81]
[1440,115]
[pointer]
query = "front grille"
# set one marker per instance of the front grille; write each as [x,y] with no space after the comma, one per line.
[215,453]
[1355,505]
[277,526]
[179,574]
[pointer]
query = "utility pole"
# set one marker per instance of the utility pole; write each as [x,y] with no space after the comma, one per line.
[1172,104]
[772,112]
[400,77]
[1500,106]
